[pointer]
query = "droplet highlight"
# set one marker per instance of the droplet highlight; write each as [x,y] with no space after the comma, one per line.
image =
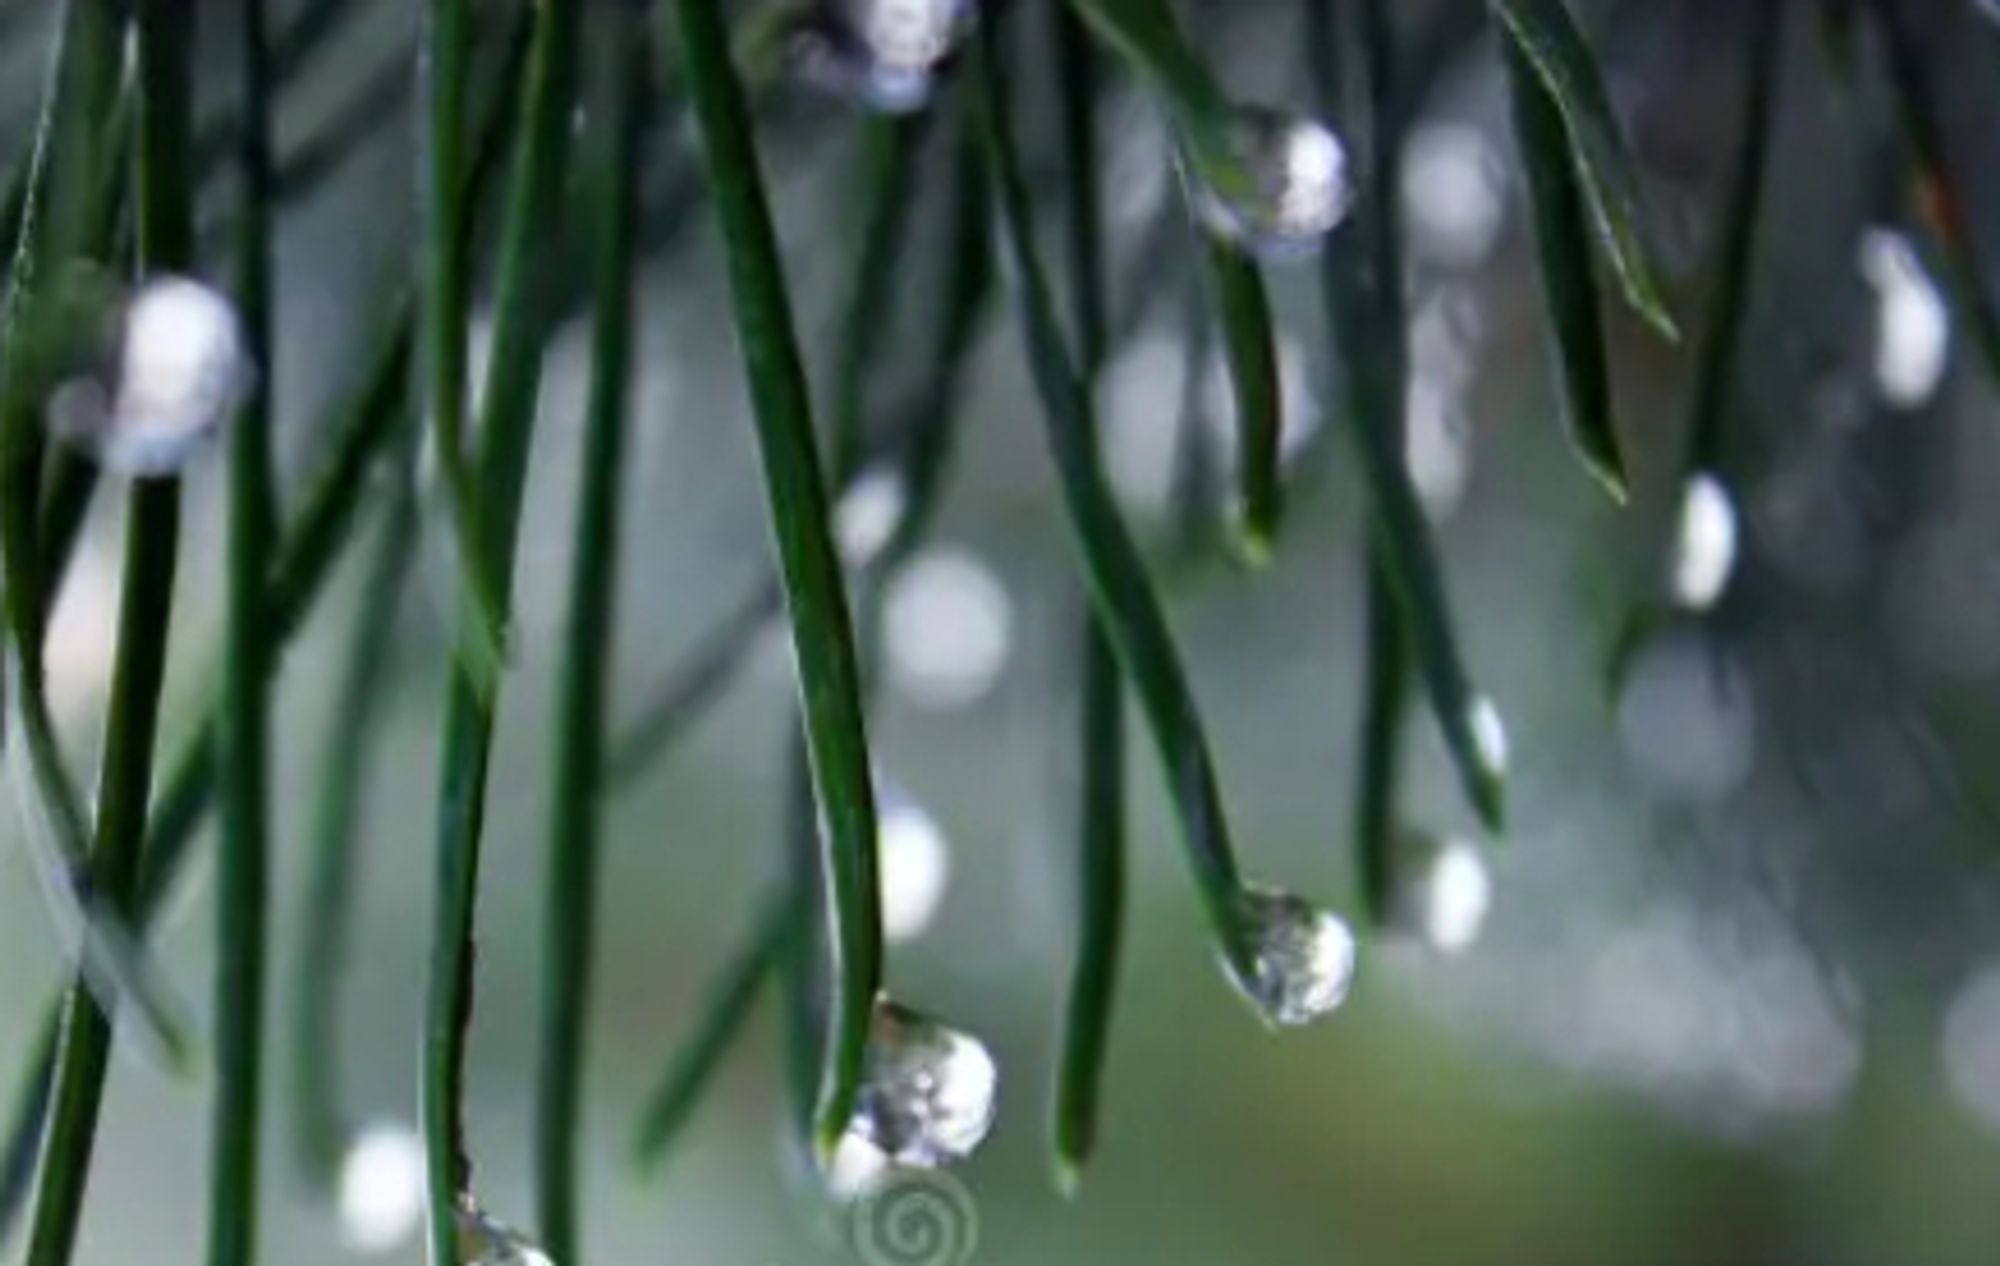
[1302,957]
[1489,735]
[1912,321]
[176,367]
[914,863]
[1299,185]
[928,1093]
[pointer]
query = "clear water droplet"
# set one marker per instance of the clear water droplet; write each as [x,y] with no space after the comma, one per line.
[484,1241]
[1303,957]
[928,1093]
[1444,890]
[884,54]
[1705,543]
[176,368]
[1489,734]
[1300,187]
[382,1187]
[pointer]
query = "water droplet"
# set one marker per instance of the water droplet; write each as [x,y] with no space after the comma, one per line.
[1303,957]
[1300,187]
[483,1241]
[884,54]
[1437,446]
[1489,734]
[382,1187]
[948,626]
[1444,890]
[1705,542]
[1912,323]
[1453,194]
[915,864]
[929,1092]
[176,369]
[867,516]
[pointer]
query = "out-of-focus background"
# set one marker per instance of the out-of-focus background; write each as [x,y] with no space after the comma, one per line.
[1737,999]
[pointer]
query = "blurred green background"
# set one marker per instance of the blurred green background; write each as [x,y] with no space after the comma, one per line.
[1738,999]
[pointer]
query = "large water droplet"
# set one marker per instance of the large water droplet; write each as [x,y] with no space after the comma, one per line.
[1299,184]
[1302,957]
[882,53]
[1704,551]
[1443,890]
[929,1092]
[382,1187]
[177,367]
[484,1241]
[948,627]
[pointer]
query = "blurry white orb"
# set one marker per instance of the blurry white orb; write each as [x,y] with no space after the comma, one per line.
[1489,734]
[1436,446]
[1971,1046]
[180,367]
[948,626]
[1458,892]
[1687,717]
[1453,194]
[382,1188]
[1142,393]
[915,864]
[882,53]
[1912,323]
[1705,543]
[868,514]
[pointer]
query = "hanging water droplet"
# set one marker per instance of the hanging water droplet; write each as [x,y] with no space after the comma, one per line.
[1302,956]
[483,1241]
[1443,890]
[882,53]
[176,368]
[1704,552]
[382,1187]
[1489,734]
[928,1093]
[1299,187]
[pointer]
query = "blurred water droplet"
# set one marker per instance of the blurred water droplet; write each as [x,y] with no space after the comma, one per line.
[1444,890]
[929,1092]
[1437,446]
[884,54]
[176,369]
[1971,1046]
[857,1167]
[1141,401]
[1705,543]
[1300,187]
[948,626]
[483,1241]
[1912,323]
[382,1187]
[915,864]
[867,516]
[1303,957]
[1453,194]
[1489,734]
[1687,717]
